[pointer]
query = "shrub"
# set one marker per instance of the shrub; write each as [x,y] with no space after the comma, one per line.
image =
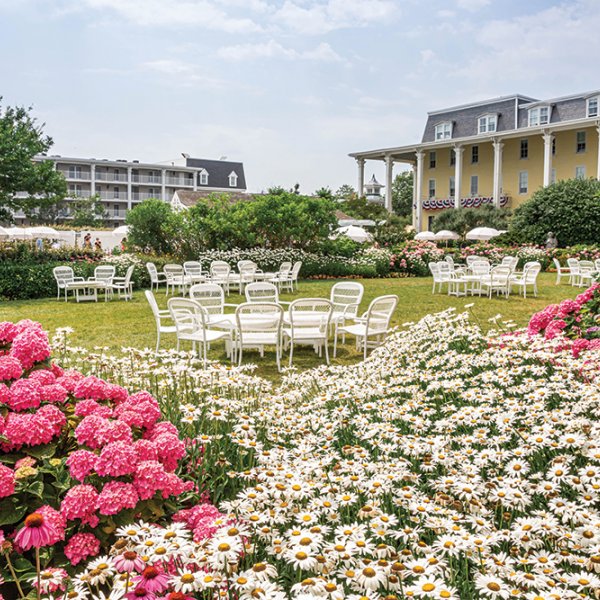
[465,219]
[570,208]
[152,226]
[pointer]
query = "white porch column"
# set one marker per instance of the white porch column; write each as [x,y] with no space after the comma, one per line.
[414,196]
[389,180]
[598,168]
[195,180]
[498,145]
[92,179]
[458,156]
[361,177]
[163,191]
[548,137]
[419,191]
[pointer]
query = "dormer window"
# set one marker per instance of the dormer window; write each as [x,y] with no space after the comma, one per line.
[443,131]
[203,178]
[540,115]
[488,123]
[592,106]
[233,179]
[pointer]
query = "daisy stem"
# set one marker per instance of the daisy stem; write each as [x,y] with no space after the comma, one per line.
[39,573]
[14,575]
[127,583]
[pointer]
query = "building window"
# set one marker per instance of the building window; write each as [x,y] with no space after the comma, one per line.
[592,107]
[74,172]
[553,146]
[487,123]
[474,185]
[233,179]
[475,154]
[539,116]
[443,131]
[523,182]
[452,187]
[432,160]
[452,157]
[203,178]
[432,188]
[115,192]
[75,189]
[579,172]
[580,141]
[524,149]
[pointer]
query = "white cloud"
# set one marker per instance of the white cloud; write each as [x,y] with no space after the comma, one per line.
[321,17]
[427,55]
[472,5]
[184,74]
[273,49]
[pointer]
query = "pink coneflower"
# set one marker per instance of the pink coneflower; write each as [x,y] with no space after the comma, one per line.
[153,580]
[140,593]
[128,562]
[36,532]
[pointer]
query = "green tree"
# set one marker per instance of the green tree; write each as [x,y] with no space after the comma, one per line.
[88,212]
[569,208]
[402,194]
[345,192]
[361,208]
[153,227]
[21,138]
[463,220]
[324,192]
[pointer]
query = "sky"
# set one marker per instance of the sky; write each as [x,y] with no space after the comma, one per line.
[288,87]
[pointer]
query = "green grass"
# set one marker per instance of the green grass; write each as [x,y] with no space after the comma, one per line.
[117,323]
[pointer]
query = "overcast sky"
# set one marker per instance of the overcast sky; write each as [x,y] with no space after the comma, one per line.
[288,87]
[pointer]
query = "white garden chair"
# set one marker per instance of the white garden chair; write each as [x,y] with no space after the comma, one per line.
[295,274]
[212,298]
[511,262]
[175,278]
[64,276]
[531,270]
[573,264]
[372,328]
[160,316]
[260,291]
[103,277]
[258,325]
[283,278]
[124,285]
[473,259]
[308,323]
[193,271]
[479,271]
[220,272]
[156,278]
[497,281]
[560,271]
[441,275]
[191,323]
[345,298]
[587,272]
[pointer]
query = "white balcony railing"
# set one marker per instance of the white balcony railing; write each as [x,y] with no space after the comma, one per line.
[102,176]
[79,175]
[180,181]
[146,179]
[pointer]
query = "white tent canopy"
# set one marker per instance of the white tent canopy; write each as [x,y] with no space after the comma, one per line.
[121,230]
[483,233]
[427,236]
[4,233]
[358,234]
[445,234]
[17,233]
[43,232]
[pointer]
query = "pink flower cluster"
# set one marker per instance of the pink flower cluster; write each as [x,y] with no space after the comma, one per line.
[82,546]
[203,520]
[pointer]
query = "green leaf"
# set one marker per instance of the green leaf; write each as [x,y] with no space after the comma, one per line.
[36,488]
[10,513]
[41,452]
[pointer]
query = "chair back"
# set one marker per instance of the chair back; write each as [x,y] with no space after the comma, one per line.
[597,264]
[380,313]
[247,272]
[63,276]
[510,261]
[557,264]
[472,259]
[172,271]
[310,313]
[210,296]
[480,267]
[444,269]
[104,273]
[434,267]
[152,271]
[285,268]
[192,268]
[262,292]
[586,265]
[129,274]
[242,263]
[296,269]
[187,314]
[530,271]
[346,296]
[500,274]
[450,260]
[219,269]
[573,264]
[153,305]
[258,317]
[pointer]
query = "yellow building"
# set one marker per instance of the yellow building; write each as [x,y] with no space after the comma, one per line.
[497,151]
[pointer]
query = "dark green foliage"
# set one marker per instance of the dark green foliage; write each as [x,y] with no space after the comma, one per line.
[21,138]
[153,226]
[570,208]
[88,212]
[360,208]
[464,219]
[402,194]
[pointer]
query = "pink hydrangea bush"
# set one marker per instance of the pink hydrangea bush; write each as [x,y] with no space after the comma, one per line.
[81,454]
[576,321]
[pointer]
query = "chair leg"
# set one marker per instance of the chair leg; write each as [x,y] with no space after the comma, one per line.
[326,352]
[157,340]
[291,350]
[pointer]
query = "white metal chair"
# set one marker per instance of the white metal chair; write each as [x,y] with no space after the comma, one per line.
[309,321]
[156,278]
[244,277]
[283,277]
[371,329]
[531,270]
[574,271]
[175,278]
[258,325]
[159,317]
[212,298]
[441,275]
[193,271]
[472,259]
[295,273]
[220,272]
[587,272]
[260,291]
[510,261]
[479,271]
[560,271]
[124,285]
[103,276]
[191,323]
[497,281]
[345,298]
[64,276]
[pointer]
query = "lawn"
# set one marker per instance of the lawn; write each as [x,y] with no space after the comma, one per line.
[116,324]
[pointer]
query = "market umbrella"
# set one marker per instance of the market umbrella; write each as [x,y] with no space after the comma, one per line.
[483,233]
[4,233]
[43,232]
[444,235]
[358,234]
[17,233]
[427,236]
[121,230]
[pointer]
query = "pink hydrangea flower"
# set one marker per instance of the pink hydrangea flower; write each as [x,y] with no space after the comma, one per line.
[44,376]
[30,347]
[54,415]
[170,450]
[24,394]
[554,329]
[10,368]
[88,431]
[115,431]
[83,408]
[116,496]
[8,332]
[117,459]
[54,393]
[150,477]
[92,388]
[81,463]
[58,522]
[27,430]
[82,546]
[200,519]
[145,450]
[80,503]
[7,481]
